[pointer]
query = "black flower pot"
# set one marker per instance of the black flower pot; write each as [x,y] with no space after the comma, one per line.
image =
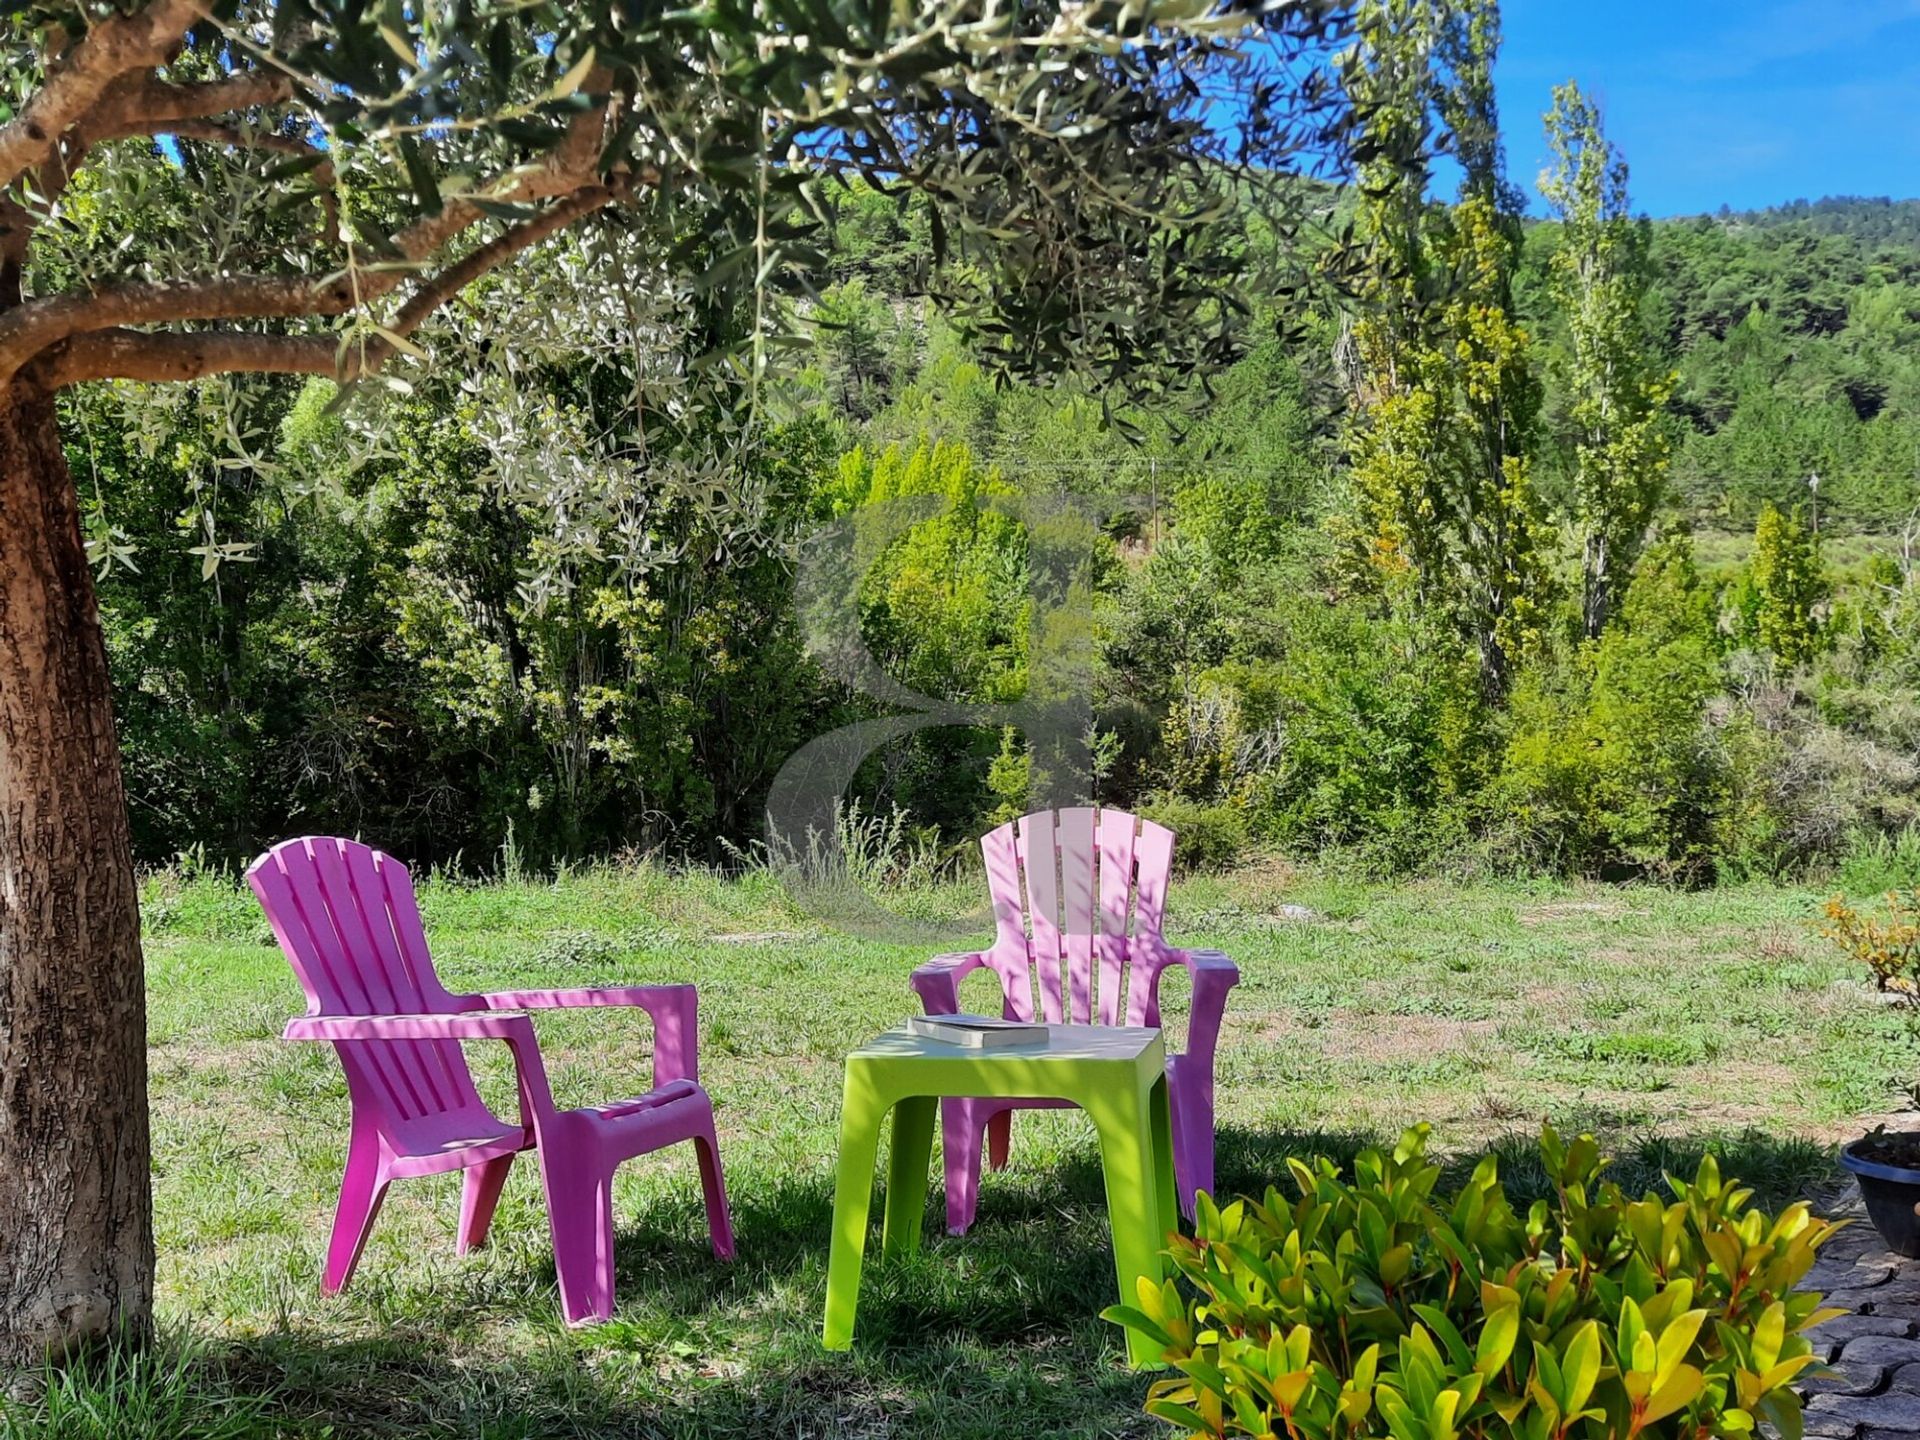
[1892,1193]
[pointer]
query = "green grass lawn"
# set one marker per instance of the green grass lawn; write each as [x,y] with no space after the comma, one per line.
[1666,1022]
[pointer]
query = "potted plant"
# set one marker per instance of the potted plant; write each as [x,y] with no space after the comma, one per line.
[1887,1162]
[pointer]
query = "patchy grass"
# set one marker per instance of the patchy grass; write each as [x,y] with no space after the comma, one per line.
[1668,1022]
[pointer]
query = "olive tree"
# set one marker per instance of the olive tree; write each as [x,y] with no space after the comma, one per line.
[203,188]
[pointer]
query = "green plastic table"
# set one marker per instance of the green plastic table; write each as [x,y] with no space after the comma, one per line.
[1117,1074]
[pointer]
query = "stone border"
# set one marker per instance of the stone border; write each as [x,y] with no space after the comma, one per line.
[1874,1350]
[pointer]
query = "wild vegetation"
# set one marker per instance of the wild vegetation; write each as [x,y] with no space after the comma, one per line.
[1574,604]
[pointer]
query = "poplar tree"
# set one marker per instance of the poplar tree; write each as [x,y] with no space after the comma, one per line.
[1616,390]
[1790,584]
[1446,400]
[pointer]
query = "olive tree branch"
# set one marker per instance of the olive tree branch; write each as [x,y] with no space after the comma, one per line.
[77,79]
[97,344]
[122,354]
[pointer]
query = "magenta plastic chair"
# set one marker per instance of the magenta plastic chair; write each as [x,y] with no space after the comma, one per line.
[1084,963]
[346,918]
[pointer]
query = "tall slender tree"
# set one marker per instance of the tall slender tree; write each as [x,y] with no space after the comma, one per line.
[353,166]
[1616,389]
[1447,402]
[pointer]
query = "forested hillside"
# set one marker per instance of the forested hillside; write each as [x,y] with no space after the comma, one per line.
[1568,598]
[1797,337]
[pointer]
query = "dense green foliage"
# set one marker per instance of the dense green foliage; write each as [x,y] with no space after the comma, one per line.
[1509,561]
[1798,350]
[1376,1307]
[367,659]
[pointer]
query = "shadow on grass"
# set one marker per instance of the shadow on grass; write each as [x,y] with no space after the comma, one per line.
[991,1335]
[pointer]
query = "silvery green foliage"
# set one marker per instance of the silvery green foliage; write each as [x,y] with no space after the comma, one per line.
[599,483]
[1073,156]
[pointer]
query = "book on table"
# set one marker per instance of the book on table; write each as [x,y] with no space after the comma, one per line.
[976,1032]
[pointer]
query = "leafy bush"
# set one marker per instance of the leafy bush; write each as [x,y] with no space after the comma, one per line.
[1206,837]
[1800,792]
[1374,734]
[1607,763]
[1371,1308]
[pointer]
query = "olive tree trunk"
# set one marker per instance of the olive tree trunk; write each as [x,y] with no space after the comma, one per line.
[76,1224]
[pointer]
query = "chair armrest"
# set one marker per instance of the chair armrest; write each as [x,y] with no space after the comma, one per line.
[938,981]
[1213,975]
[674,1010]
[516,1029]
[1209,962]
[343,1028]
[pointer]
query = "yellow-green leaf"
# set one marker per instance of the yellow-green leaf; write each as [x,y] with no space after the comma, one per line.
[1679,1391]
[1497,1339]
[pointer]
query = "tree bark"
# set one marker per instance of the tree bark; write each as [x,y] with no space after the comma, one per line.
[76,1225]
[1598,585]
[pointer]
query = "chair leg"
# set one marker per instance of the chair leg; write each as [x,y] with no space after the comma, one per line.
[479,1193]
[362,1190]
[580,1214]
[960,1128]
[713,1183]
[1192,1142]
[999,1139]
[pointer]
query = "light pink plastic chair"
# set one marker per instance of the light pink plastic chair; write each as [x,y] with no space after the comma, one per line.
[1043,872]
[346,918]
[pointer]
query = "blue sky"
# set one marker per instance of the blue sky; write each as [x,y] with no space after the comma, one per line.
[1747,102]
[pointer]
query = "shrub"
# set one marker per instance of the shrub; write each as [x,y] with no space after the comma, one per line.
[1607,763]
[1371,1308]
[1374,732]
[1206,837]
[1889,946]
[1800,792]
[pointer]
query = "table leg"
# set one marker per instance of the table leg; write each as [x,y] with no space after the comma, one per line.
[1163,1169]
[1134,1189]
[907,1174]
[861,1111]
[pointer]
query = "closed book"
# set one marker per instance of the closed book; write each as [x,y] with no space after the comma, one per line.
[976,1032]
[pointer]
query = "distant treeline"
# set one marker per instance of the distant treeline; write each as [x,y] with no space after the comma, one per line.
[368,660]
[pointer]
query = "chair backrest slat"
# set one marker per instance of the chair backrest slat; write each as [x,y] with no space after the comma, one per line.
[1040,857]
[1079,899]
[1153,869]
[1001,850]
[1116,911]
[346,918]
[1074,840]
